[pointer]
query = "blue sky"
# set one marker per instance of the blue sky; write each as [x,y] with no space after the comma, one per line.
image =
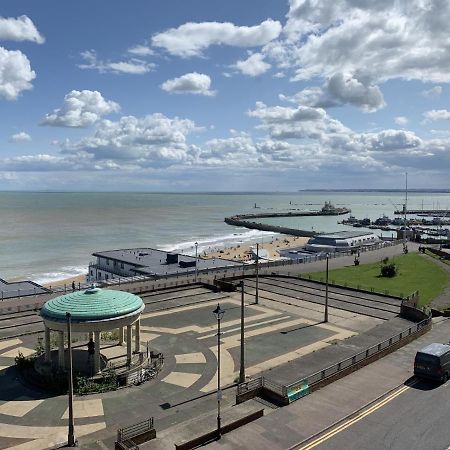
[208,95]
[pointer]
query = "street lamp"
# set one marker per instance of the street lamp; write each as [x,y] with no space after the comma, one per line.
[257,274]
[218,313]
[196,261]
[326,293]
[242,366]
[71,441]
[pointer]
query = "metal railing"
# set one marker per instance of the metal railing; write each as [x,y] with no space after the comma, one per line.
[125,435]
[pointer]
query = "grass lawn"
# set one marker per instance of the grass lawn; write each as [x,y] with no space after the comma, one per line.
[416,273]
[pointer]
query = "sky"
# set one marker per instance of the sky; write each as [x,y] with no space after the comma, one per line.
[207,95]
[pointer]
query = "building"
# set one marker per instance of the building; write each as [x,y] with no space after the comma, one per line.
[20,289]
[148,262]
[341,241]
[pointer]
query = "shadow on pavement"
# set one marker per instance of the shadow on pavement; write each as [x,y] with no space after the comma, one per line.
[421,384]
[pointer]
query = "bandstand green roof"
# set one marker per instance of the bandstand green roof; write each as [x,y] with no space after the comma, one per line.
[91,305]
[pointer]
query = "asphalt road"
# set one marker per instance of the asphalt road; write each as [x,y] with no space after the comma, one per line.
[416,416]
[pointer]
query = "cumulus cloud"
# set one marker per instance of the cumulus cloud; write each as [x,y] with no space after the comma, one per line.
[20,29]
[340,89]
[436,114]
[133,66]
[80,109]
[154,140]
[20,137]
[191,39]
[189,83]
[15,73]
[432,93]
[253,66]
[401,120]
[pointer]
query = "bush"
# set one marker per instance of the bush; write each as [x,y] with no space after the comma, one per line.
[22,362]
[85,385]
[389,270]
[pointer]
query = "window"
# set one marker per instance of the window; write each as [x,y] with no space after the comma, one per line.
[107,261]
[121,265]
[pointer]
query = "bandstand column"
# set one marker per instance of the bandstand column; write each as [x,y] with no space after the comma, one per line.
[61,361]
[91,335]
[121,340]
[129,344]
[47,345]
[97,352]
[137,336]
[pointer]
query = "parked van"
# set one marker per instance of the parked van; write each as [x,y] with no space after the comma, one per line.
[433,362]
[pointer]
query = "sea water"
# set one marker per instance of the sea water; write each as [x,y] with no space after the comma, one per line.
[48,236]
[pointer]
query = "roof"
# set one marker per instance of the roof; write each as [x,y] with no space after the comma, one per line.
[153,262]
[20,288]
[91,305]
[436,349]
[345,234]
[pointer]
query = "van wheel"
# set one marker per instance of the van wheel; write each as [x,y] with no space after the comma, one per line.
[445,377]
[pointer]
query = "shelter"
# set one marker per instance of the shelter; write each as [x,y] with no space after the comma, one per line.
[93,311]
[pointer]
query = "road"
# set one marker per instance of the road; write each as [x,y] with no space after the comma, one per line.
[415,416]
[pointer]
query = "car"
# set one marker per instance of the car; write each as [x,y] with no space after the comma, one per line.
[433,362]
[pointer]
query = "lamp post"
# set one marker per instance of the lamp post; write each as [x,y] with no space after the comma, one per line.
[218,313]
[257,274]
[196,261]
[71,441]
[242,367]
[326,293]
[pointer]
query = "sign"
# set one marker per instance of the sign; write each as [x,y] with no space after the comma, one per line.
[298,390]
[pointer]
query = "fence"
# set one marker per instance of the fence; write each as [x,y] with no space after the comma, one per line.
[129,437]
[355,361]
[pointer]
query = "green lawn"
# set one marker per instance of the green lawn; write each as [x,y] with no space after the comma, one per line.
[416,273]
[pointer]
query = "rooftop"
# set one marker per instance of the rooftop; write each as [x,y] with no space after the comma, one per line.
[346,234]
[151,261]
[91,305]
[20,288]
[436,349]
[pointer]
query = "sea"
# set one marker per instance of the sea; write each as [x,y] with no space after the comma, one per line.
[50,236]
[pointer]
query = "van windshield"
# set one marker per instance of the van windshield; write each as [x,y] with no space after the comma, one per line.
[424,358]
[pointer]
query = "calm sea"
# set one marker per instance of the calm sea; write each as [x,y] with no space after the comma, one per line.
[51,236]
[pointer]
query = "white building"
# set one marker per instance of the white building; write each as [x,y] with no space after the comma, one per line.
[341,241]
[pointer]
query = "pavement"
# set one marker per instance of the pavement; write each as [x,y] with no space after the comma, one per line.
[290,426]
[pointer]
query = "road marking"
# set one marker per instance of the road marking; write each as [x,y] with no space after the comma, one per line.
[360,416]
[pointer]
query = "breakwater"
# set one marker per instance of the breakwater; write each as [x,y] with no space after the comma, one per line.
[428,212]
[247,220]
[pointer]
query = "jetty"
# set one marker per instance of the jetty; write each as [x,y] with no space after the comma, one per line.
[428,212]
[248,220]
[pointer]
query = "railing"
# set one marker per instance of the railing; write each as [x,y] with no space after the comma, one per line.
[125,435]
[334,369]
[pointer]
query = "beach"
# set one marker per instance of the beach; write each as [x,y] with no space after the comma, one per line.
[242,252]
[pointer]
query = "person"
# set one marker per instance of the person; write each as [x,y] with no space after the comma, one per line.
[91,349]
[73,285]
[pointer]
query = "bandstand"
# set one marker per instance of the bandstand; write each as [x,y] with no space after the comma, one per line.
[93,311]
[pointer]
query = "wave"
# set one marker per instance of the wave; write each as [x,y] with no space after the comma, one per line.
[63,274]
[216,243]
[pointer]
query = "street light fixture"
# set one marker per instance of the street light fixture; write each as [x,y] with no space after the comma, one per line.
[242,365]
[257,275]
[326,292]
[196,261]
[218,313]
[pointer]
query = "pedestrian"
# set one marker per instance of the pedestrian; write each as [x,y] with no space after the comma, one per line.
[73,285]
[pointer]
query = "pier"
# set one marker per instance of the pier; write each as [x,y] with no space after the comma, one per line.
[428,212]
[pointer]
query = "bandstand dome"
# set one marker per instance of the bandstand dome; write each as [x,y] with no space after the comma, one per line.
[92,305]
[94,310]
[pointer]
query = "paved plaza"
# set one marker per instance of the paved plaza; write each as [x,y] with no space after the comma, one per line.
[286,324]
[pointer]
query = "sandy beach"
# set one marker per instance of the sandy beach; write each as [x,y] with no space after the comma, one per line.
[68,282]
[242,252]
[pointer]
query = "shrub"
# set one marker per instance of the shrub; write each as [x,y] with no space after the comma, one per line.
[389,270]
[22,362]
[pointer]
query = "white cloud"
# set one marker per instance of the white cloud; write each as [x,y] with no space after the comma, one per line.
[15,73]
[340,89]
[132,66]
[189,83]
[151,141]
[436,114]
[20,137]
[141,50]
[80,109]
[20,29]
[432,93]
[401,120]
[191,39]
[253,66]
